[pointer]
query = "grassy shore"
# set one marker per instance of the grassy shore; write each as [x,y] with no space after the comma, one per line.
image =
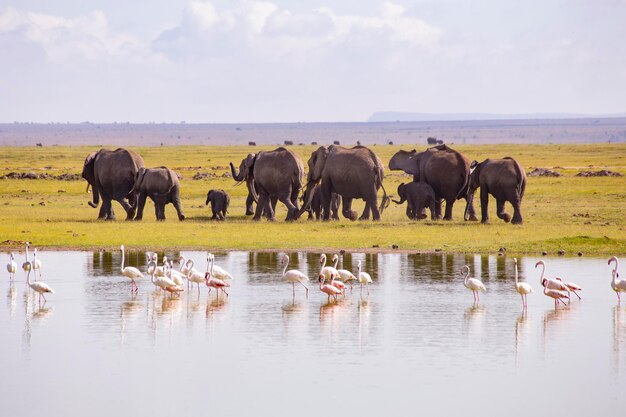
[568,212]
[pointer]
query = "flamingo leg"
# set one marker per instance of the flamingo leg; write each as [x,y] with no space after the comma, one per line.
[577,295]
[293,287]
[305,287]
[367,287]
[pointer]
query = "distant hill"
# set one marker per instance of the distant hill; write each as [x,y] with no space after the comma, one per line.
[392,116]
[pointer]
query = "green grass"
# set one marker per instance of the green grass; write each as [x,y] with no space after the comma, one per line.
[570,213]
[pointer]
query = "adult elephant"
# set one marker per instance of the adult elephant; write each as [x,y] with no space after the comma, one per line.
[162,186]
[504,179]
[351,173]
[270,176]
[444,169]
[111,175]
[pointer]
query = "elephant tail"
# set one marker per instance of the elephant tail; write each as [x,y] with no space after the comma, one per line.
[386,199]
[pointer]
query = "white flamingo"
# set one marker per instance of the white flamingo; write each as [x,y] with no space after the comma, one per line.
[523,288]
[218,272]
[618,285]
[175,275]
[473,284]
[551,284]
[193,276]
[153,259]
[26,265]
[38,286]
[345,276]
[364,278]
[183,264]
[294,276]
[164,283]
[131,272]
[36,262]
[329,272]
[12,266]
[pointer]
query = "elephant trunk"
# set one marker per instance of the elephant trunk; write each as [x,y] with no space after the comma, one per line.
[307,197]
[236,176]
[95,195]
[402,200]
[385,201]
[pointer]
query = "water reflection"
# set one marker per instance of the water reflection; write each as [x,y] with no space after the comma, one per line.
[418,328]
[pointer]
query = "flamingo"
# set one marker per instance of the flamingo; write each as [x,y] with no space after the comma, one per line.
[523,288]
[153,263]
[331,290]
[26,265]
[556,294]
[36,262]
[12,266]
[218,271]
[175,275]
[364,278]
[39,286]
[571,286]
[473,284]
[193,275]
[183,264]
[164,283]
[329,272]
[132,272]
[293,276]
[618,285]
[212,282]
[552,284]
[344,276]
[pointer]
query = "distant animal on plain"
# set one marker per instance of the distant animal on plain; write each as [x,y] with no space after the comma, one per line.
[251,143]
[336,142]
[288,143]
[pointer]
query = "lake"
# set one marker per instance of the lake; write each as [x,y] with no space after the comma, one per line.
[416,345]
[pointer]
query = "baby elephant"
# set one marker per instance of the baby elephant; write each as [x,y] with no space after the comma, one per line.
[419,196]
[219,200]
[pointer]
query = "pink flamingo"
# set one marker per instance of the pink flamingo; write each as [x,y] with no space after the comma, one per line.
[328,289]
[571,286]
[552,284]
[556,294]
[216,283]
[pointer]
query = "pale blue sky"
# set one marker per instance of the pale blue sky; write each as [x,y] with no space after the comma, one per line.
[287,61]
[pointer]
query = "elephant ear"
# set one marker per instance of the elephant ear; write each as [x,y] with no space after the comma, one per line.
[90,158]
[249,164]
[141,172]
[407,161]
[317,163]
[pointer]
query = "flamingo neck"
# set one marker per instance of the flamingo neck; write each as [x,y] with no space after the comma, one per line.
[122,267]
[189,265]
[467,274]
[286,264]
[323,260]
[182,260]
[359,268]
[543,271]
[28,275]
[516,273]
[336,262]
[26,253]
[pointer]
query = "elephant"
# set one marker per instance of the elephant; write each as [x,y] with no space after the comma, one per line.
[444,169]
[351,173]
[111,175]
[162,186]
[316,205]
[272,176]
[418,196]
[504,179]
[219,200]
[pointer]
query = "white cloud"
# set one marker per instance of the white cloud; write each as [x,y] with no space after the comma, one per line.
[88,36]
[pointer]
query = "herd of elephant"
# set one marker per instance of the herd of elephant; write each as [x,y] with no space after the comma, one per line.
[336,176]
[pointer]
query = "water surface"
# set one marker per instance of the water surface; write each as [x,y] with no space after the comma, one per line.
[416,344]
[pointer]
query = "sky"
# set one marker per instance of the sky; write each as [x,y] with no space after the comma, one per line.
[242,61]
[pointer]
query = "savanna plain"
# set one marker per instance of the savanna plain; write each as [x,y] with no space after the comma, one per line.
[569,213]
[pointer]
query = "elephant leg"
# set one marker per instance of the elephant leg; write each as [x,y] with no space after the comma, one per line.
[517,211]
[449,206]
[127,208]
[249,205]
[334,206]
[325,201]
[263,207]
[141,203]
[159,209]
[433,210]
[347,211]
[484,204]
[291,209]
[420,211]
[111,215]
[176,203]
[102,214]
[438,206]
[366,212]
[471,213]
[409,211]
[107,208]
[500,211]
